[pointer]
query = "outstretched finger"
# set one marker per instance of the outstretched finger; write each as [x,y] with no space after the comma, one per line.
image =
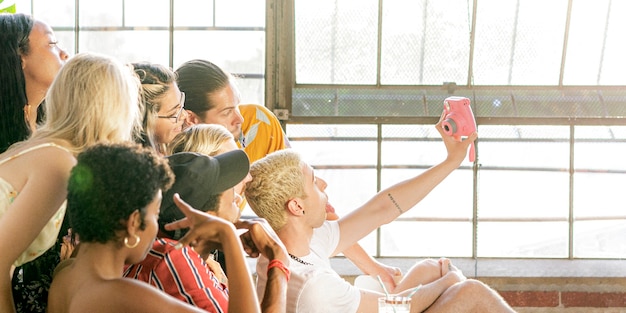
[182,223]
[186,209]
[183,206]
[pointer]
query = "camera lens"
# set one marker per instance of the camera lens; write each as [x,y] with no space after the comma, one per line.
[449,126]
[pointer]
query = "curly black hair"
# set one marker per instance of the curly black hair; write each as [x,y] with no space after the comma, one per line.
[110,182]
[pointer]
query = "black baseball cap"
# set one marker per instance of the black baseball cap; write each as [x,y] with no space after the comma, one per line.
[199,176]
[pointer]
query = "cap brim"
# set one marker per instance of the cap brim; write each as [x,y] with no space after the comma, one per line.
[234,166]
[226,170]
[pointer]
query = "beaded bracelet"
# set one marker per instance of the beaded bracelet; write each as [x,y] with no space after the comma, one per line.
[280,265]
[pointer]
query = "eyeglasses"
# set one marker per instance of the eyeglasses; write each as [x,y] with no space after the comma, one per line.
[176,116]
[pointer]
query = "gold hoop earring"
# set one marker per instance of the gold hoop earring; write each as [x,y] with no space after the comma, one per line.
[137,240]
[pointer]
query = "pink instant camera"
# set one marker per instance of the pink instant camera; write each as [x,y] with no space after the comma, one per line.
[458,120]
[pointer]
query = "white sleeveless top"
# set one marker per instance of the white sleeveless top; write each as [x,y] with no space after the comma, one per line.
[48,235]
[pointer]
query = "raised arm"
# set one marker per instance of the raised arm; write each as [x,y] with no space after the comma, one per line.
[388,204]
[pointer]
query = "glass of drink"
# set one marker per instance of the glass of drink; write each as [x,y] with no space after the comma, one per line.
[394,304]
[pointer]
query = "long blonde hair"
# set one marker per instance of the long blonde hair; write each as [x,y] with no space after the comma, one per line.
[202,138]
[94,98]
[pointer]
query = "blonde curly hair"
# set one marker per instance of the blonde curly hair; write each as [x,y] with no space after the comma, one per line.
[202,138]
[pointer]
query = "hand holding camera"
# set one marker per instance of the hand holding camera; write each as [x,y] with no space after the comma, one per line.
[458,120]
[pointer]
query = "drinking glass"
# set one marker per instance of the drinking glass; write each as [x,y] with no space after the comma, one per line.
[394,305]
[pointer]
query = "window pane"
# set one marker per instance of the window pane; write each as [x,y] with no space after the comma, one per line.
[369,243]
[522,194]
[528,146]
[600,239]
[595,46]
[549,155]
[344,152]
[410,131]
[55,13]
[100,13]
[585,42]
[519,42]
[348,189]
[613,61]
[418,239]
[193,13]
[493,42]
[421,148]
[330,130]
[439,203]
[137,13]
[425,42]
[135,46]
[331,145]
[252,90]
[245,53]
[414,153]
[531,239]
[240,13]
[600,156]
[598,195]
[600,148]
[335,41]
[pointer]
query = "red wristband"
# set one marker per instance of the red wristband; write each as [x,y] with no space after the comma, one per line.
[280,265]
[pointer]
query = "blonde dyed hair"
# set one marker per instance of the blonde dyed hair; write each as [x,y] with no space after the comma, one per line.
[202,138]
[276,179]
[94,98]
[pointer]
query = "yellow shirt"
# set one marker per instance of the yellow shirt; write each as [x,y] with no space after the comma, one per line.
[261,132]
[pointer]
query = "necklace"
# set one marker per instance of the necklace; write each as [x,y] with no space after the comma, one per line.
[299,260]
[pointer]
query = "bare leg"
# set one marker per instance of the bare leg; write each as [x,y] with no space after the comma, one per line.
[469,296]
[424,272]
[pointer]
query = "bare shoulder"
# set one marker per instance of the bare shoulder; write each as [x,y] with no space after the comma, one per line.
[51,163]
[72,291]
[128,295]
[56,154]
[39,154]
[36,161]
